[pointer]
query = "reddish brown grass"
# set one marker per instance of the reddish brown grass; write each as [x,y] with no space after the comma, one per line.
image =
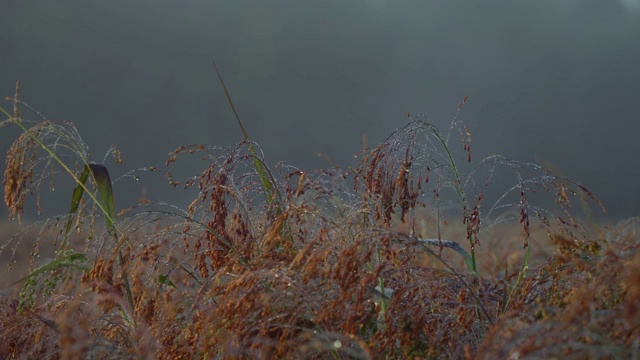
[337,273]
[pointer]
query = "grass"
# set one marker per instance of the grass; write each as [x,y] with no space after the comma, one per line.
[406,255]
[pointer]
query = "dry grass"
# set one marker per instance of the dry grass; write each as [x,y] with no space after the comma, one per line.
[338,272]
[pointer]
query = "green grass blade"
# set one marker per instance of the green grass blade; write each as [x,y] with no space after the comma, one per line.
[164,280]
[270,192]
[61,262]
[521,275]
[525,265]
[76,197]
[105,190]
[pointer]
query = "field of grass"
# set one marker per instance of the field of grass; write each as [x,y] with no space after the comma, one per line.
[405,256]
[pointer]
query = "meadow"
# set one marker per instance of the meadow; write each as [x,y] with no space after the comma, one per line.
[408,255]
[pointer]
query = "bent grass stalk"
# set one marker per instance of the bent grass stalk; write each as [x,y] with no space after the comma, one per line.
[66,168]
[270,190]
[457,185]
[271,194]
[105,203]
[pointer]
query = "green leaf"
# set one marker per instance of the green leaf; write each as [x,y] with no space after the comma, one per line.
[76,198]
[164,280]
[105,190]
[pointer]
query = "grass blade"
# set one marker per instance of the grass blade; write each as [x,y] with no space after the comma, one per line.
[61,262]
[270,192]
[105,190]
[76,197]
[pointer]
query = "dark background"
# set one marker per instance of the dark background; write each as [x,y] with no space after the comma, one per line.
[553,81]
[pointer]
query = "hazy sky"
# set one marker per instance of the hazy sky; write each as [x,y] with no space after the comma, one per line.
[556,81]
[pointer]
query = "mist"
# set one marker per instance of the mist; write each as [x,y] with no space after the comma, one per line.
[555,82]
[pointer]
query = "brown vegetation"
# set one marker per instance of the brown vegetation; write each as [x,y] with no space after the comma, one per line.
[335,272]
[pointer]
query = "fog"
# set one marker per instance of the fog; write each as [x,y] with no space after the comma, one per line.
[555,81]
